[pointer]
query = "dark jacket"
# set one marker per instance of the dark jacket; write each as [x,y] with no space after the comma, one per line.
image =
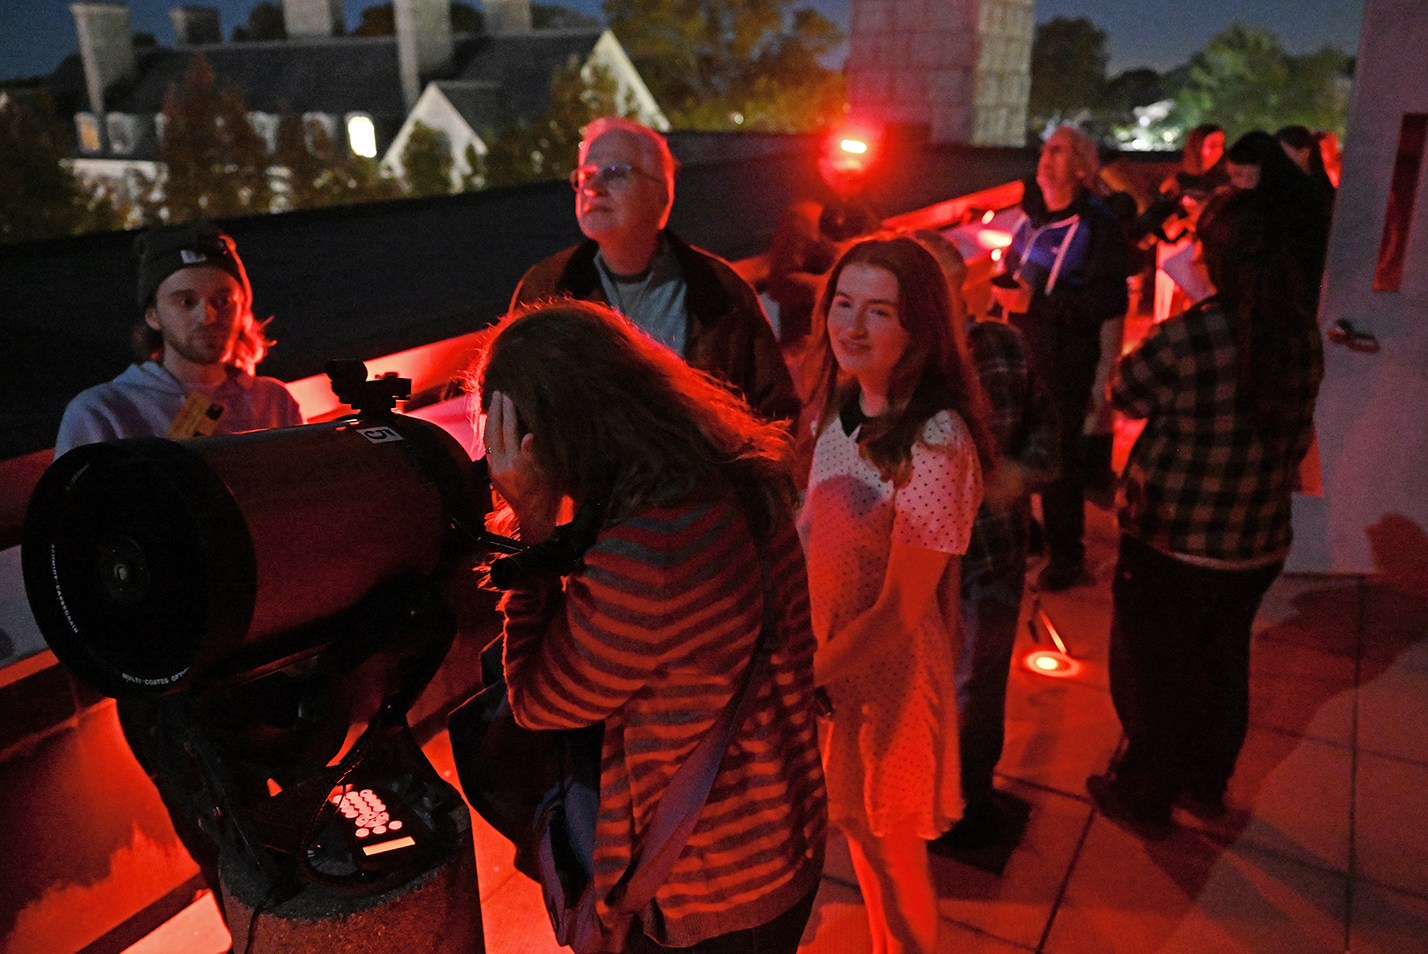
[729,336]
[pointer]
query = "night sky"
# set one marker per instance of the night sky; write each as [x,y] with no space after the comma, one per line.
[36,34]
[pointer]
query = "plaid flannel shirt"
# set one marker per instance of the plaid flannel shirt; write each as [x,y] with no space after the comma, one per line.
[1023,424]
[1203,479]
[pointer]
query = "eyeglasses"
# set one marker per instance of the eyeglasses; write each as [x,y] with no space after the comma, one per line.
[617,175]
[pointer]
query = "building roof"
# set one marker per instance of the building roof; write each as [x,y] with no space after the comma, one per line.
[495,79]
[506,78]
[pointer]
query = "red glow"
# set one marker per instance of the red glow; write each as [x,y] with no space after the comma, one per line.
[993,238]
[847,155]
[1046,662]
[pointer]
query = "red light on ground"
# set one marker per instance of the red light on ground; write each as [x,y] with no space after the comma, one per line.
[1046,662]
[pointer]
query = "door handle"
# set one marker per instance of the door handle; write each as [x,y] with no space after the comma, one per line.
[1346,333]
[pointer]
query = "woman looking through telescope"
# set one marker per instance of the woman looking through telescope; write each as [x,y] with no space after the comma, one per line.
[653,631]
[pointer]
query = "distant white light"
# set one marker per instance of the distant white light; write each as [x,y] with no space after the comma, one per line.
[854,146]
[362,135]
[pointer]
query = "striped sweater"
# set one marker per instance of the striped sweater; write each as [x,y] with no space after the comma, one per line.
[652,634]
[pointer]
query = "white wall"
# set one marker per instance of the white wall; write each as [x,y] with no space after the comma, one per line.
[1372,416]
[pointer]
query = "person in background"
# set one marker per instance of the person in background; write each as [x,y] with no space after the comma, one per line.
[200,344]
[653,631]
[900,448]
[1202,168]
[1068,298]
[1302,146]
[1227,392]
[1023,425]
[684,297]
[1300,213]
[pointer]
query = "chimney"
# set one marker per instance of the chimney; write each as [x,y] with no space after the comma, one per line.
[424,44]
[195,24]
[304,19]
[507,16]
[106,47]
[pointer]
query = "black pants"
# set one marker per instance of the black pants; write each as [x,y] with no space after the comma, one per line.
[1180,646]
[1064,360]
[990,609]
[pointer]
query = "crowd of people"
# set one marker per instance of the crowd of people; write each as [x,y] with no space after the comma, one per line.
[879,498]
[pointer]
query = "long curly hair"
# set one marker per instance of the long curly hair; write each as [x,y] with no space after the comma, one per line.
[621,421]
[934,374]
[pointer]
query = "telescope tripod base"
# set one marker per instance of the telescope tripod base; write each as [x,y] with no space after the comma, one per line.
[437,911]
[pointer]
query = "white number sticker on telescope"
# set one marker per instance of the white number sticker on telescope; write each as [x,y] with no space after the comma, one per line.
[379,435]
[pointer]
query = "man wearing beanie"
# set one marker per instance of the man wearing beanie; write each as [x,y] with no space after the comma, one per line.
[201,343]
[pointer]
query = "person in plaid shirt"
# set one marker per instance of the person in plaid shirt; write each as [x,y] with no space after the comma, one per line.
[1024,427]
[1227,390]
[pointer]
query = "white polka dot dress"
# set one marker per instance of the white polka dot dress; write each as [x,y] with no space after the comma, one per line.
[890,749]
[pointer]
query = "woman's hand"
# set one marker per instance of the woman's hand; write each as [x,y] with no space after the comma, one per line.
[910,591]
[516,474]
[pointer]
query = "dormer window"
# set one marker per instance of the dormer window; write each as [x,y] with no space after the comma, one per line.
[87,125]
[123,133]
[266,126]
[362,135]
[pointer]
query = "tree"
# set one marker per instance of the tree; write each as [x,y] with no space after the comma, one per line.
[38,196]
[1127,91]
[722,64]
[545,147]
[426,159]
[1244,80]
[217,164]
[1068,71]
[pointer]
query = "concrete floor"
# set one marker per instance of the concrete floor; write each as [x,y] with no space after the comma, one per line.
[1324,850]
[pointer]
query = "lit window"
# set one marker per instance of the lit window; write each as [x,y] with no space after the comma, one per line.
[362,135]
[88,132]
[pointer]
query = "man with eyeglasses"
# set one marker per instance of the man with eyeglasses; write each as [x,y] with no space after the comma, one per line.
[683,296]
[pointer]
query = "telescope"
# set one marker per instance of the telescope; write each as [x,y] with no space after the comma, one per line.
[253,601]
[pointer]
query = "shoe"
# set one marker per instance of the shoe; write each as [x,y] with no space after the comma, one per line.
[979,828]
[1149,821]
[1204,800]
[1205,809]
[1060,575]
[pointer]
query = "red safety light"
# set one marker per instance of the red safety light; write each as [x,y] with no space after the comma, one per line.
[1049,662]
[847,155]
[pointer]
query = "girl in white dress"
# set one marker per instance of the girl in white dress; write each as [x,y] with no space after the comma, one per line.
[900,443]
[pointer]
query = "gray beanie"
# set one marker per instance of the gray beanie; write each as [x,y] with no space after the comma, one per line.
[166,250]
